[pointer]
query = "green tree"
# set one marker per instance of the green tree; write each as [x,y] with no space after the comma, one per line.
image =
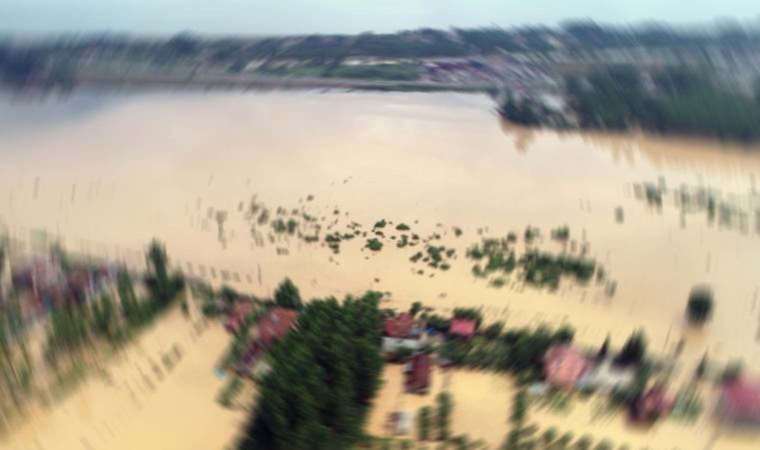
[634,350]
[129,305]
[604,445]
[443,415]
[603,350]
[549,436]
[494,330]
[519,408]
[287,295]
[229,295]
[584,443]
[423,423]
[701,370]
[564,441]
[700,306]
[732,371]
[104,318]
[415,308]
[163,286]
[322,379]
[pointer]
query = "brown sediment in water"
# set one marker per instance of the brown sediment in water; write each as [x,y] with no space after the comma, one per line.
[420,159]
[135,408]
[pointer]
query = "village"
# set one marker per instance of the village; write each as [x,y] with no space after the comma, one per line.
[436,364]
[443,371]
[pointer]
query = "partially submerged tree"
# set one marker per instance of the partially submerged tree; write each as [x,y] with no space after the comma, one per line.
[443,415]
[700,306]
[415,308]
[701,369]
[603,350]
[423,423]
[634,350]
[287,295]
[163,287]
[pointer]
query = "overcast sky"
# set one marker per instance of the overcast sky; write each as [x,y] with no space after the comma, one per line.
[344,16]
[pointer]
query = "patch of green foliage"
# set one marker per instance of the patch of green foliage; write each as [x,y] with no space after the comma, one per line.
[323,378]
[374,244]
[390,72]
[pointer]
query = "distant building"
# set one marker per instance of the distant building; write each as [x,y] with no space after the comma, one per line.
[464,328]
[740,402]
[564,366]
[418,374]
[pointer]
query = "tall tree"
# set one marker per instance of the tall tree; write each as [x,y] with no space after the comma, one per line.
[130,308]
[287,295]
[443,415]
[423,423]
[323,376]
[163,287]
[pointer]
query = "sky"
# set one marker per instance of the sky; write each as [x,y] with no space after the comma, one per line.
[265,17]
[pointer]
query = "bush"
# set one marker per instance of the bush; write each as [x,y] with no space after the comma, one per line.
[287,295]
[700,306]
[633,351]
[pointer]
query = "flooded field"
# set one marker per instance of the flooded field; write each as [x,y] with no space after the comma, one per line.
[481,402]
[185,167]
[138,401]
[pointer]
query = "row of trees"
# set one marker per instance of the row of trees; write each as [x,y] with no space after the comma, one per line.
[75,323]
[322,379]
[435,424]
[15,365]
[519,351]
[525,437]
[677,100]
[681,101]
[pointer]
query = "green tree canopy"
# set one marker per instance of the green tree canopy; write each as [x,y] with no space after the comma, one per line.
[287,295]
[323,376]
[700,306]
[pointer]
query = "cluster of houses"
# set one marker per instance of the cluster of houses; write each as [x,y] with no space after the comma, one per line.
[567,367]
[403,333]
[42,284]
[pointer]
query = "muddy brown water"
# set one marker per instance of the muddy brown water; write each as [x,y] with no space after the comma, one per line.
[107,173]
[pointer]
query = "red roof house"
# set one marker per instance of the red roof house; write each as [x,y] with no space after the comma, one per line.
[275,325]
[462,327]
[740,401]
[564,365]
[236,318]
[418,374]
[399,326]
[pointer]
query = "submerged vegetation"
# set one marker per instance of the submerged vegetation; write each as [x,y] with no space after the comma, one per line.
[537,268]
[700,306]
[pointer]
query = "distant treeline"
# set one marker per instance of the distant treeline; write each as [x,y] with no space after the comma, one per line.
[675,100]
[22,67]
[422,43]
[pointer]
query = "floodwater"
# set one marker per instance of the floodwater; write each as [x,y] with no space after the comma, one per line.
[142,403]
[481,403]
[106,173]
